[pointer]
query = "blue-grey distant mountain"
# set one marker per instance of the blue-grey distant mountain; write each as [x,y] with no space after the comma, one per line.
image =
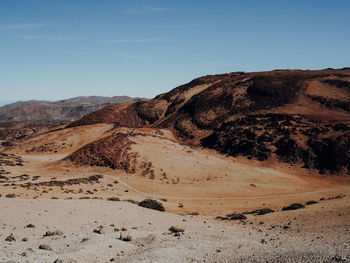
[58,111]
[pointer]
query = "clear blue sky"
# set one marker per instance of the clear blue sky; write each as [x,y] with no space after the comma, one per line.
[55,49]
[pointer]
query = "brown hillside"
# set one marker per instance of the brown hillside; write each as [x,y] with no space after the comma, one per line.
[295,116]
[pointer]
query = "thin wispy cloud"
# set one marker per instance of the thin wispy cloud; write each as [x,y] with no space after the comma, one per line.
[183,25]
[25,26]
[159,9]
[136,10]
[44,37]
[131,41]
[127,56]
[214,64]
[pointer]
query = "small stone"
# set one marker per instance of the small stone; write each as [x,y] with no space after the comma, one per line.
[10,238]
[45,247]
[84,239]
[48,234]
[58,233]
[126,238]
[30,226]
[99,230]
[58,261]
[25,239]
[23,254]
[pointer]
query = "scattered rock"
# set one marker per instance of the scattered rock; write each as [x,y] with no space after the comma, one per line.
[30,226]
[99,230]
[193,213]
[124,237]
[45,247]
[58,261]
[48,234]
[337,259]
[10,238]
[58,233]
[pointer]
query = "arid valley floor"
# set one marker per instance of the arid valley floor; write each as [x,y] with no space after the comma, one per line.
[253,167]
[200,186]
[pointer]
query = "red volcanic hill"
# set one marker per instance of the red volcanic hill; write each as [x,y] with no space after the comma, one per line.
[295,116]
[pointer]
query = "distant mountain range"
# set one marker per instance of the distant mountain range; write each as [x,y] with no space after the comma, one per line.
[58,111]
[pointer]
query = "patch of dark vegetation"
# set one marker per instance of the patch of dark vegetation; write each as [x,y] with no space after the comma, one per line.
[234,140]
[331,154]
[274,90]
[260,136]
[152,204]
[288,150]
[294,206]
